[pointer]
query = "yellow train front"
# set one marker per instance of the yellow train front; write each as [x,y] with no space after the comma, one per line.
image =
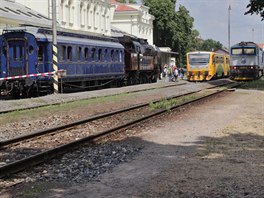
[204,66]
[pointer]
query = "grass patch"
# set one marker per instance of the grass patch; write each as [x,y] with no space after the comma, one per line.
[167,104]
[164,104]
[45,111]
[254,84]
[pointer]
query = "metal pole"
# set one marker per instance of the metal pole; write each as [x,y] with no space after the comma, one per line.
[54,48]
[252,34]
[229,9]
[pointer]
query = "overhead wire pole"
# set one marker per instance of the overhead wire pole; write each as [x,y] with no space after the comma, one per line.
[229,9]
[54,49]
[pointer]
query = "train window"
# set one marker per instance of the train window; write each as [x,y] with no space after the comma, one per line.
[121,57]
[112,55]
[63,53]
[86,53]
[17,53]
[31,50]
[79,53]
[117,55]
[219,59]
[69,53]
[236,51]
[100,55]
[40,54]
[105,55]
[93,54]
[249,51]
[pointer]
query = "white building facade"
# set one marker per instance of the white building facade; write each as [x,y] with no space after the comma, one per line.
[91,16]
[133,19]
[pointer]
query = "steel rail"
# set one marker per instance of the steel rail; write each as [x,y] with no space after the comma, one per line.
[36,159]
[92,118]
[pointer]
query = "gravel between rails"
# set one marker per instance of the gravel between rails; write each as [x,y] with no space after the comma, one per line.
[214,149]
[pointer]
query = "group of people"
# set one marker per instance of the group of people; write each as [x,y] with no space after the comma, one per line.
[172,72]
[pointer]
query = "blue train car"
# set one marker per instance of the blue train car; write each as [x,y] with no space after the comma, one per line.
[246,61]
[26,61]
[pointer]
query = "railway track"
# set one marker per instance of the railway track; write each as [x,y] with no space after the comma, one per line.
[36,104]
[26,151]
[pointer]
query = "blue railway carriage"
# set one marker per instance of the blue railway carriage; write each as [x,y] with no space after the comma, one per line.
[246,61]
[26,61]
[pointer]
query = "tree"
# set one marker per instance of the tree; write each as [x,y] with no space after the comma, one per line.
[164,12]
[174,29]
[256,7]
[210,45]
[170,28]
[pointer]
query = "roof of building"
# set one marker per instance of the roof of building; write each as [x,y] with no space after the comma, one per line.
[114,2]
[17,13]
[261,45]
[121,8]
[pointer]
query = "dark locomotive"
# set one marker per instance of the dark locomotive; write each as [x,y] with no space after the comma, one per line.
[90,62]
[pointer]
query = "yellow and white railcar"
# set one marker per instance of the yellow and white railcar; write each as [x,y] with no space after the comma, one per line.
[203,66]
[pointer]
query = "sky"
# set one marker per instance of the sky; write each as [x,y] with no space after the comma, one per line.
[211,20]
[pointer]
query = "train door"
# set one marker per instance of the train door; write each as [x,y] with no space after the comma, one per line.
[42,66]
[16,57]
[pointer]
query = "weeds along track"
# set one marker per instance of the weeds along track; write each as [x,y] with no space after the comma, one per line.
[26,151]
[19,105]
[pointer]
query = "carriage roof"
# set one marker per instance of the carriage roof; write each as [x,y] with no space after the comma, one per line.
[45,34]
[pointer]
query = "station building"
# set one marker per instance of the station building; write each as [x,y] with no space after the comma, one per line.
[96,17]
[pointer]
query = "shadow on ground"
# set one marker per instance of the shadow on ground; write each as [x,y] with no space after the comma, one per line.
[229,166]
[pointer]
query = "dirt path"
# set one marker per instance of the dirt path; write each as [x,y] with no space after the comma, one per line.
[211,150]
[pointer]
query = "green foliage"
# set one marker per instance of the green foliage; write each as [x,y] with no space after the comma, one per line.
[256,7]
[164,12]
[164,104]
[210,45]
[174,29]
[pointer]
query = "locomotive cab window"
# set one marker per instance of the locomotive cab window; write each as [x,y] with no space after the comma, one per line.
[237,51]
[249,51]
